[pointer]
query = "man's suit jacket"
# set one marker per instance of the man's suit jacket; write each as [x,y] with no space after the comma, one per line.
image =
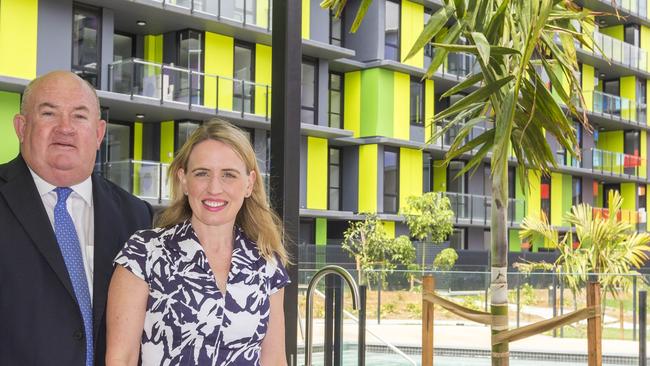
[40,321]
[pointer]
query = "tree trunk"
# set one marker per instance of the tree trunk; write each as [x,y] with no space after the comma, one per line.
[499,260]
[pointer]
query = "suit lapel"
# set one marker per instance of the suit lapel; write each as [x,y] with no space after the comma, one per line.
[24,201]
[106,243]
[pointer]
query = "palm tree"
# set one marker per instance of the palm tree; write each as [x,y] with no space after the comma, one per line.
[512,40]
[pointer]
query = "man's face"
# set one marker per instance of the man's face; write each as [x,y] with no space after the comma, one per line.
[60,131]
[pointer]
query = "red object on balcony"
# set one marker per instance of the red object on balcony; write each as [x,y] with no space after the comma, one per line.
[545,191]
[631,161]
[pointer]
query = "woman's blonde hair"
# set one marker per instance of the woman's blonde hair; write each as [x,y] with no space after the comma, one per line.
[255,217]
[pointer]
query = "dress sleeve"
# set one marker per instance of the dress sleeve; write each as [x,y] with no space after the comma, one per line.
[279,277]
[134,256]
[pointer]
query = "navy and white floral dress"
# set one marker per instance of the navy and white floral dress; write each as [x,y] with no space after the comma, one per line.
[188,319]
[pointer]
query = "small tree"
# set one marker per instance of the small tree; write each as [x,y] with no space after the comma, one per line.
[371,247]
[445,260]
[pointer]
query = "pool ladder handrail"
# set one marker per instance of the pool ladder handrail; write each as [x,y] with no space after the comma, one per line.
[309,318]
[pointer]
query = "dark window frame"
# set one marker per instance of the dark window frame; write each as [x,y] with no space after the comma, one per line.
[181,64]
[79,69]
[545,204]
[579,197]
[332,40]
[314,109]
[251,47]
[329,180]
[413,81]
[399,32]
[396,151]
[341,91]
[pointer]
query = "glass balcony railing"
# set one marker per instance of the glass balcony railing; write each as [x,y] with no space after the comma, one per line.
[617,107]
[630,216]
[169,83]
[447,139]
[476,209]
[459,65]
[246,12]
[636,7]
[621,52]
[609,162]
[145,179]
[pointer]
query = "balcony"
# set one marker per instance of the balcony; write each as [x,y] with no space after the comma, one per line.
[459,65]
[246,12]
[182,86]
[476,209]
[615,163]
[615,107]
[446,140]
[145,179]
[634,217]
[621,52]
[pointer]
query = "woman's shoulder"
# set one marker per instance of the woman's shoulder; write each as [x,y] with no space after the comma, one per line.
[159,236]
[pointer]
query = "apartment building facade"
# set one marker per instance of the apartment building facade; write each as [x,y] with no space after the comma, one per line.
[163,66]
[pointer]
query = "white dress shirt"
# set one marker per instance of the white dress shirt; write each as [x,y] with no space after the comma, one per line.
[80,207]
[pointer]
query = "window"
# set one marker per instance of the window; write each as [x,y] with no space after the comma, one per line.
[116,147]
[336,99]
[458,239]
[190,56]
[336,29]
[427,173]
[334,179]
[86,47]
[545,195]
[183,131]
[391,180]
[246,8]
[308,92]
[417,102]
[576,191]
[456,184]
[391,31]
[641,100]
[243,88]
[428,48]
[123,46]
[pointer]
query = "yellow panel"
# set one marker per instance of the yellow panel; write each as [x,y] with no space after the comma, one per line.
[557,210]
[9,106]
[305,19]
[18,38]
[137,155]
[219,59]
[644,155]
[352,100]
[645,44]
[262,76]
[439,176]
[262,14]
[389,228]
[153,48]
[628,90]
[628,193]
[534,201]
[410,174]
[588,85]
[429,109]
[368,178]
[588,29]
[412,23]
[166,141]
[615,31]
[317,154]
[401,105]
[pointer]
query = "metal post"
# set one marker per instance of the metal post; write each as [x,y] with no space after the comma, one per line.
[189,99]
[379,302]
[219,9]
[266,107]
[643,295]
[362,325]
[634,295]
[162,90]
[243,95]
[518,297]
[132,78]
[110,77]
[561,303]
[329,319]
[338,322]
[554,296]
[244,16]
[285,135]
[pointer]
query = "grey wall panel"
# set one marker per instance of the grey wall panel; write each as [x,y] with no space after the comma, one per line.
[416,133]
[170,53]
[303,172]
[319,22]
[475,238]
[588,190]
[54,36]
[401,229]
[323,93]
[350,181]
[588,143]
[368,41]
[380,178]
[475,184]
[108,30]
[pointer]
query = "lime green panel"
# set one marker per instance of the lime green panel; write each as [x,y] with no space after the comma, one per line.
[321,231]
[305,19]
[166,141]
[645,44]
[439,176]
[628,90]
[262,76]
[520,195]
[611,141]
[556,199]
[377,103]
[412,23]
[410,174]
[9,107]
[598,195]
[317,155]
[628,193]
[644,155]
[219,59]
[389,228]
[534,199]
[615,31]
[514,243]
[401,100]
[352,100]
[588,29]
[137,155]
[262,13]
[588,85]
[429,109]
[368,178]
[153,48]
[567,196]
[18,38]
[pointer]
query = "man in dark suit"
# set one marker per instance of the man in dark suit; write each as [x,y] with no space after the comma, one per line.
[60,229]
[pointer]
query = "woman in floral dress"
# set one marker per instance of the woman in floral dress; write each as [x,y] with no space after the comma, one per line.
[206,286]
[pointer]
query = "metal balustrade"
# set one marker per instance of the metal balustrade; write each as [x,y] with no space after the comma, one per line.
[617,107]
[630,216]
[621,52]
[173,84]
[145,179]
[609,162]
[459,65]
[476,209]
[246,12]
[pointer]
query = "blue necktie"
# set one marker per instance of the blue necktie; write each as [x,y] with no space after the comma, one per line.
[66,236]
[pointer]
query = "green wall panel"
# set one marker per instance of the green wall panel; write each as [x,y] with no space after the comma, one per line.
[166,141]
[9,106]
[368,178]
[377,102]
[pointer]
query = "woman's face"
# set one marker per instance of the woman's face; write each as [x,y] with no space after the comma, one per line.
[216,183]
